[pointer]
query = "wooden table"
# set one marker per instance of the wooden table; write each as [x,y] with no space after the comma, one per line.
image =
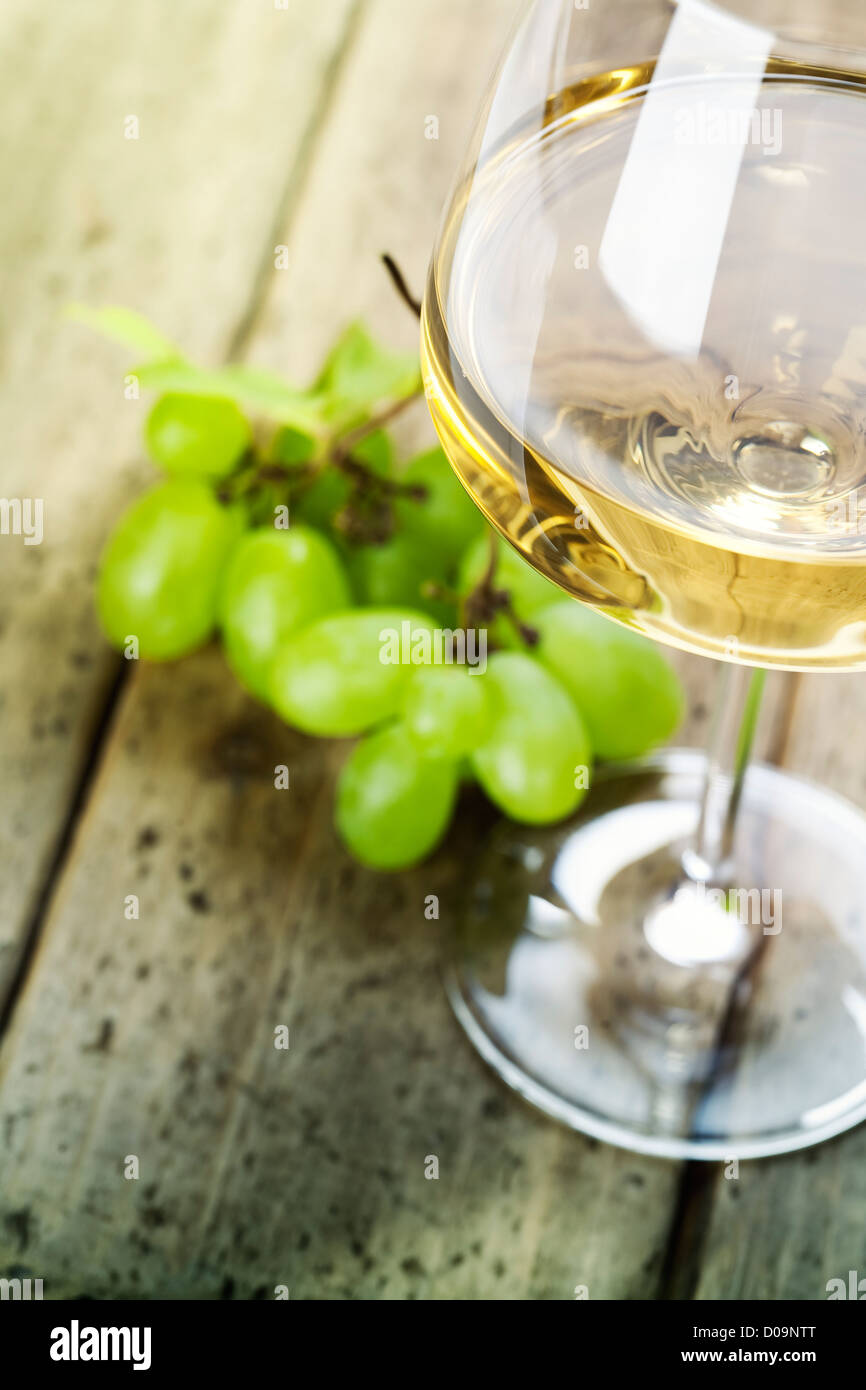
[260,128]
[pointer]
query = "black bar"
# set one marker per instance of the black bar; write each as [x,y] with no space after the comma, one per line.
[229,1338]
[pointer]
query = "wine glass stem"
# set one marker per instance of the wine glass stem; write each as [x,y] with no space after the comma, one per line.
[738,703]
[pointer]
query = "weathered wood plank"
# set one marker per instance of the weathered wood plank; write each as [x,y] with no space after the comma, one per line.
[155,1037]
[788,1225]
[176,223]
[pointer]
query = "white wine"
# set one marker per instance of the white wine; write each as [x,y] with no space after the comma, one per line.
[695,469]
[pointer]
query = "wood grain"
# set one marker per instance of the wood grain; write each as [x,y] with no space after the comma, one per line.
[177,224]
[788,1225]
[155,1037]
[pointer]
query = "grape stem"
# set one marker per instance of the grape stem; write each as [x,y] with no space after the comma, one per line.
[492,561]
[371,492]
[400,284]
[257,470]
[343,448]
[366,479]
[486,602]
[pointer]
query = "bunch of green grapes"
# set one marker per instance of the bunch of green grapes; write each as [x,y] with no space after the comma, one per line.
[337,582]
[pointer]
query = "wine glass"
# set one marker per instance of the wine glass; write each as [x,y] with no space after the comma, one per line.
[644,343]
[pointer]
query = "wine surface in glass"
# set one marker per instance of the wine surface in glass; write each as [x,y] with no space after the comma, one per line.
[714,498]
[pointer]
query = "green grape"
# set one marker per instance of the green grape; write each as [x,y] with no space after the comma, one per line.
[396,572]
[535,760]
[394,804]
[318,503]
[528,589]
[276,582]
[446,519]
[629,696]
[160,572]
[291,446]
[445,710]
[376,452]
[196,436]
[347,673]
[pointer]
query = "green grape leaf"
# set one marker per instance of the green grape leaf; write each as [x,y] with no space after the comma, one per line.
[359,374]
[254,388]
[260,389]
[129,328]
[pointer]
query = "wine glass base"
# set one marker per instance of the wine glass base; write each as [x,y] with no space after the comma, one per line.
[555,969]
